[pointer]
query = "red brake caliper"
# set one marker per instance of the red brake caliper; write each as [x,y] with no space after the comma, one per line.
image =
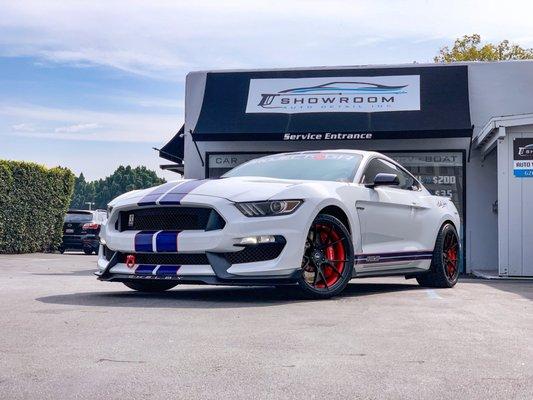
[452,260]
[335,252]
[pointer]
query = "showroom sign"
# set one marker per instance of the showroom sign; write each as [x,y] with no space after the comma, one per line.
[523,158]
[335,104]
[363,94]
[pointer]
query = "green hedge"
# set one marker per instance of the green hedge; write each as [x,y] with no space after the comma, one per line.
[33,203]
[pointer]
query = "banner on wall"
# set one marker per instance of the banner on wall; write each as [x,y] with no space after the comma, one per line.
[350,104]
[334,94]
[523,158]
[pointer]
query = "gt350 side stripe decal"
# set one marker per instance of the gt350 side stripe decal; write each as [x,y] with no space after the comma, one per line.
[393,257]
[176,195]
[151,198]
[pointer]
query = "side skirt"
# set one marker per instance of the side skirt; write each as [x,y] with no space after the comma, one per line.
[390,272]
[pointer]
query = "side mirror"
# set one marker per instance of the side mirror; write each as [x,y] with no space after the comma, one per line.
[384,180]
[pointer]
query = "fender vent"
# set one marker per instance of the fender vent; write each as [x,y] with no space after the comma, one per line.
[260,252]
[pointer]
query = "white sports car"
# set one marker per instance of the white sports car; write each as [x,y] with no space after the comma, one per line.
[313,219]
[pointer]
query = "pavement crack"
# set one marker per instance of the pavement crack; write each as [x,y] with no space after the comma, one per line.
[120,361]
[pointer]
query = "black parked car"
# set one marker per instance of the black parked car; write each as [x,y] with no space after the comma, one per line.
[81,229]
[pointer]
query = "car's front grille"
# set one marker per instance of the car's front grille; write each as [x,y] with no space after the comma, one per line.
[166,258]
[261,252]
[170,218]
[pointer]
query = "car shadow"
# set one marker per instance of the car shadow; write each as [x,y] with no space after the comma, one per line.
[523,288]
[214,297]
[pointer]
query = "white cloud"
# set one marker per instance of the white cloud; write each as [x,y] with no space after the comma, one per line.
[79,124]
[166,39]
[24,127]
[174,104]
[76,128]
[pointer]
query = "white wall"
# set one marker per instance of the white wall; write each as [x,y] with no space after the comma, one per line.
[481,222]
[497,89]
[515,211]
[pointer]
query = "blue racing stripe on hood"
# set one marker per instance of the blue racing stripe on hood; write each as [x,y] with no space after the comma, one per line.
[176,195]
[151,198]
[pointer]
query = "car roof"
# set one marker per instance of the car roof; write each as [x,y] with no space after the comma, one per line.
[363,153]
[351,151]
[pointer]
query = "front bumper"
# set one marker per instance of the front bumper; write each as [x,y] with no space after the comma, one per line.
[224,260]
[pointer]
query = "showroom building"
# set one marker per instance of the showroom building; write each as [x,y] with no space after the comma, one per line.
[464,129]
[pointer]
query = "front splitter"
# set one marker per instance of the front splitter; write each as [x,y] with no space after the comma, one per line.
[206,279]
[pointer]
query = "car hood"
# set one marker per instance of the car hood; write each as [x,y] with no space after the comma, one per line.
[243,188]
[234,189]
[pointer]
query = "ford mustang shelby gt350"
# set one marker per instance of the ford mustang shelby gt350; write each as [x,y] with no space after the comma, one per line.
[313,219]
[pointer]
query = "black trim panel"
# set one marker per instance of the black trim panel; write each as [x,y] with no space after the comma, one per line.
[234,280]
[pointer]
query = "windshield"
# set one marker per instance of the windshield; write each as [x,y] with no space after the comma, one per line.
[319,166]
[79,217]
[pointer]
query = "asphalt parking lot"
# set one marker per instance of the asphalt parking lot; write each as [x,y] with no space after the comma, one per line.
[66,335]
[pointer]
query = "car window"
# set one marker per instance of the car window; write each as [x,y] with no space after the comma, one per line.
[407,181]
[78,217]
[380,166]
[320,166]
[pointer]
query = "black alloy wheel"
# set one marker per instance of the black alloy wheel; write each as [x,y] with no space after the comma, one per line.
[444,270]
[327,264]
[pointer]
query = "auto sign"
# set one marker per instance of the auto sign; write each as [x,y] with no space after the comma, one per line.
[523,158]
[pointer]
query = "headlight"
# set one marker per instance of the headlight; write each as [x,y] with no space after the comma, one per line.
[268,208]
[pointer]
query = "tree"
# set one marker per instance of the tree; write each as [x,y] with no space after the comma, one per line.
[102,191]
[469,48]
[80,192]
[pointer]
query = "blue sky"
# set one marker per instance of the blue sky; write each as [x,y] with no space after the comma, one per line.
[92,85]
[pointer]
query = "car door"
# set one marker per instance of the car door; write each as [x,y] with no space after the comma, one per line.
[389,218]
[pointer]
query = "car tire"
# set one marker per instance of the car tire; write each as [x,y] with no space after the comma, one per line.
[327,264]
[150,286]
[444,269]
[88,251]
[61,250]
